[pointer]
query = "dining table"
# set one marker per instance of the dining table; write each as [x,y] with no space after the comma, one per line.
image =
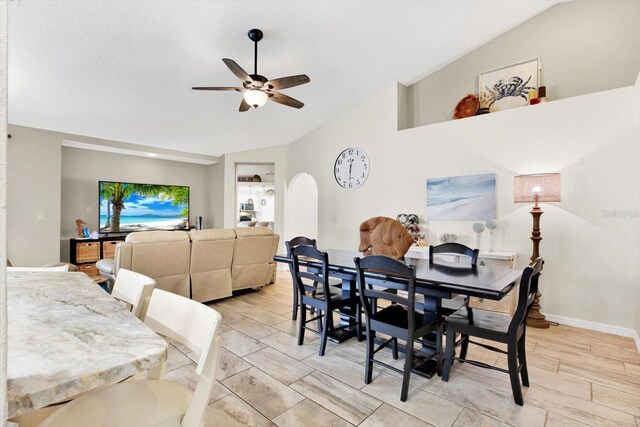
[436,281]
[66,335]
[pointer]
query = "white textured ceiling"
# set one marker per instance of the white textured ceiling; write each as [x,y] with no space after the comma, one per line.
[123,70]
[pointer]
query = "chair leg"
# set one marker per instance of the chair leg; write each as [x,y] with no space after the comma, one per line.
[294,313]
[325,331]
[302,323]
[394,348]
[448,358]
[319,321]
[408,363]
[368,369]
[522,359]
[512,359]
[439,351]
[359,322]
[464,346]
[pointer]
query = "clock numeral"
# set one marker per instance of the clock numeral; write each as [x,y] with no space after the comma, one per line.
[339,161]
[350,185]
[362,157]
[337,170]
[362,174]
[364,166]
[344,155]
[357,182]
[351,151]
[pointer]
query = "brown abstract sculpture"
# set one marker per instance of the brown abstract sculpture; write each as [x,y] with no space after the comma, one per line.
[80,224]
[384,236]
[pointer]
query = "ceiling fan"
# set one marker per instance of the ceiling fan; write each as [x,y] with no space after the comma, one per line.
[257,89]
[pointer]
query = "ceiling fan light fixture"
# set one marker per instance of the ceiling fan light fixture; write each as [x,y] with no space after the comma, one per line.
[255,98]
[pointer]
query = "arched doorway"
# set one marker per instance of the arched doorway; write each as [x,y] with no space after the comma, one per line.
[301,210]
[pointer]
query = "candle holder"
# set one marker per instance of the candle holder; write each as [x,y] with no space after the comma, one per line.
[478,227]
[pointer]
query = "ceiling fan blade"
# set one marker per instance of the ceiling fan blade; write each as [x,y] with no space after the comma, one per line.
[244,106]
[285,100]
[291,81]
[237,89]
[237,70]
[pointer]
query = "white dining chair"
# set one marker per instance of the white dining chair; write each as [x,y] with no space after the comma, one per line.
[156,402]
[134,289]
[57,268]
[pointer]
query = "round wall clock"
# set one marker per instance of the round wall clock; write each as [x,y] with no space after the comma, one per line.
[351,168]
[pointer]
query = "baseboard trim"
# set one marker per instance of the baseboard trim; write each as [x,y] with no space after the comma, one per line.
[596,326]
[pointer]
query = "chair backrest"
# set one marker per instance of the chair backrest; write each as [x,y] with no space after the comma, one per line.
[58,268]
[194,325]
[527,293]
[300,240]
[306,280]
[372,286]
[135,290]
[454,248]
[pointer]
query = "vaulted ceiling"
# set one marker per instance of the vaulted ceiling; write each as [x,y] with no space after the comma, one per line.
[123,70]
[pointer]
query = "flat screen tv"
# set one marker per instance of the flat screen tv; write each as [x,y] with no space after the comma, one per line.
[126,207]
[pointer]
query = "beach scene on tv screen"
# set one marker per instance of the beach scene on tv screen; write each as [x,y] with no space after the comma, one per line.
[126,207]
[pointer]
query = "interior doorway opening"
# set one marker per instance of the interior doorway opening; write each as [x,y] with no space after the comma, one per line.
[255,195]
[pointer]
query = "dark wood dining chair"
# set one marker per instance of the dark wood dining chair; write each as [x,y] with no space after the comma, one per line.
[297,241]
[398,319]
[453,304]
[315,290]
[455,249]
[497,327]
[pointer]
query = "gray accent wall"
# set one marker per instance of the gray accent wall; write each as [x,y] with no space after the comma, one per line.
[585,46]
[82,169]
[215,195]
[33,196]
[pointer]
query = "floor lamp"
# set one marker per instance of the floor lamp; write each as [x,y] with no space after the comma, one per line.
[539,187]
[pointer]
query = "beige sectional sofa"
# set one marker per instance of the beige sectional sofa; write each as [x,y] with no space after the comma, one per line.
[201,264]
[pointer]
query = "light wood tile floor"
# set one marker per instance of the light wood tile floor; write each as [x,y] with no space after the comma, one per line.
[578,377]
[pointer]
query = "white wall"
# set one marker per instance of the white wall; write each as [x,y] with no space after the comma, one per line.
[82,169]
[592,267]
[33,187]
[585,46]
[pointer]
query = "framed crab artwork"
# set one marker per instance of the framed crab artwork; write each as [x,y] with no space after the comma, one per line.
[509,86]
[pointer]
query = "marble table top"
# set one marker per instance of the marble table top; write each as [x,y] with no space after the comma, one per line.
[66,335]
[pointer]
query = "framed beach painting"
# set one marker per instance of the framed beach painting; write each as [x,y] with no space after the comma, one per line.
[508,87]
[469,197]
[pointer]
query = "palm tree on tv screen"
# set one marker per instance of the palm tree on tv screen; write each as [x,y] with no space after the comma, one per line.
[116,193]
[180,197]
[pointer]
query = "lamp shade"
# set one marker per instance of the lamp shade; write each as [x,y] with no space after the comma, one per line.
[546,186]
[255,98]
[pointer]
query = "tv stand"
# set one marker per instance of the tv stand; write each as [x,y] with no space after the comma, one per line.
[84,253]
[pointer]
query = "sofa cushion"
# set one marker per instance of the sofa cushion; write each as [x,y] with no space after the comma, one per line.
[211,258]
[161,255]
[157,236]
[255,248]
